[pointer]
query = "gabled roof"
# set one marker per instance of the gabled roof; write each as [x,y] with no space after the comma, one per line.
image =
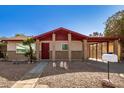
[59,30]
[76,35]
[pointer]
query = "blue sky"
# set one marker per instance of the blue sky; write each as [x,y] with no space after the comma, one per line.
[34,20]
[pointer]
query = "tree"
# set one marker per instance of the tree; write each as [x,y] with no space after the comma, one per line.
[115,28]
[29,43]
[115,25]
[96,34]
[2,49]
[2,44]
[16,35]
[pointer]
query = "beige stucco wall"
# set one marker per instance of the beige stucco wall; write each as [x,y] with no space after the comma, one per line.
[11,46]
[76,50]
[75,45]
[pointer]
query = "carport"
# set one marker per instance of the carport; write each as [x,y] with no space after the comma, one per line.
[102,45]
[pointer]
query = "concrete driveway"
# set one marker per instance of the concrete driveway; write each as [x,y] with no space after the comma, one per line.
[114,67]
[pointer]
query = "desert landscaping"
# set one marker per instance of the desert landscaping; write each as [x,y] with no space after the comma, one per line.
[10,73]
[78,75]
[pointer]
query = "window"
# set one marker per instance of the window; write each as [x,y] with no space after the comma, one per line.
[20,48]
[64,46]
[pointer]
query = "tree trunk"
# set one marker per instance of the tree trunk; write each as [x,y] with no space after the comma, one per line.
[31,53]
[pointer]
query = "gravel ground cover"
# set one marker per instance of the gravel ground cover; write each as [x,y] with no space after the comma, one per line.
[79,75]
[10,73]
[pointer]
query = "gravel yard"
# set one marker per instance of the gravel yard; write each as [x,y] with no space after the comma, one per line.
[79,75]
[10,73]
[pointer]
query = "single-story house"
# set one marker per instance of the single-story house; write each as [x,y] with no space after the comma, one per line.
[64,44]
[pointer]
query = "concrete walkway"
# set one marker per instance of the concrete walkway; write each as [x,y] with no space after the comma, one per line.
[29,80]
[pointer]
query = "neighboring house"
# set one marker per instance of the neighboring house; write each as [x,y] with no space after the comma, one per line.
[15,48]
[63,44]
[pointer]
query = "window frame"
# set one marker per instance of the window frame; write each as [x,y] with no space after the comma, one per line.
[62,46]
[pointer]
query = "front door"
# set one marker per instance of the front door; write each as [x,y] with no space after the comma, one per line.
[45,50]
